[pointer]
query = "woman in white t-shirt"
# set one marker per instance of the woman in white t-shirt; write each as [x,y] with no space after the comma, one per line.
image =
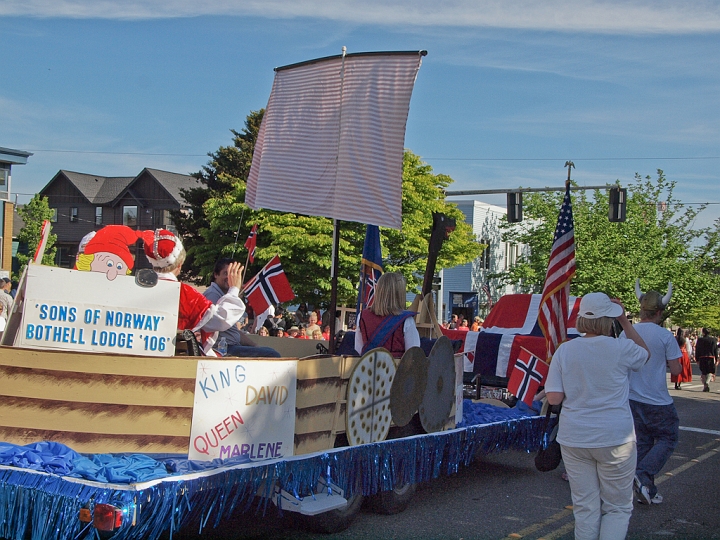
[590,377]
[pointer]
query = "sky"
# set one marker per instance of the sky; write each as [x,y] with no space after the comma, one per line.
[509,90]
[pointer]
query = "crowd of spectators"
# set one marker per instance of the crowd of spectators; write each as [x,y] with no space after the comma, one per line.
[459,322]
[303,323]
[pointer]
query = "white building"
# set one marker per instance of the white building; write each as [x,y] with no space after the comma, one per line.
[462,285]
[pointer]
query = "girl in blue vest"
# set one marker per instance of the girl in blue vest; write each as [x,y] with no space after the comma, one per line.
[386,323]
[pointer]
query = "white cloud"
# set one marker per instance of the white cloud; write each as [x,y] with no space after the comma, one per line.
[611,16]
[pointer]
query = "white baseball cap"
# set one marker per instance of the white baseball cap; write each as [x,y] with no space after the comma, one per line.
[596,305]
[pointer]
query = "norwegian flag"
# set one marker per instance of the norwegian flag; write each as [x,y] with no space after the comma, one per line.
[269,287]
[553,314]
[529,374]
[251,242]
[512,323]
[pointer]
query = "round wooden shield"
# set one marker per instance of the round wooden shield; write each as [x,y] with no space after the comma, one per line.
[440,389]
[408,388]
[368,400]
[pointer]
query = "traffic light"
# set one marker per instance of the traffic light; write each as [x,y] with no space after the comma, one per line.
[514,206]
[436,282]
[618,198]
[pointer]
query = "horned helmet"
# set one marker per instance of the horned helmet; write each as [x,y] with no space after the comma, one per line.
[652,301]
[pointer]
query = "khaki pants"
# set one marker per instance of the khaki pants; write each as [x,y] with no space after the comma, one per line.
[601,482]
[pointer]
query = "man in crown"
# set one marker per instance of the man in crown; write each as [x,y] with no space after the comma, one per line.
[165,252]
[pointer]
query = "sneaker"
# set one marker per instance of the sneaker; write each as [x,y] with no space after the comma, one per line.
[706,388]
[645,498]
[637,484]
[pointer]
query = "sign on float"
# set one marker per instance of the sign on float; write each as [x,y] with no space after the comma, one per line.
[84,311]
[244,409]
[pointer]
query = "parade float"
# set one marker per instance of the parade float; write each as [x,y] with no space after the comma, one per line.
[103,423]
[109,425]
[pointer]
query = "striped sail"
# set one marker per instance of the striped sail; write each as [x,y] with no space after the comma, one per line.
[331,141]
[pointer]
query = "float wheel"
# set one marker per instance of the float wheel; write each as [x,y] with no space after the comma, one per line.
[393,501]
[340,519]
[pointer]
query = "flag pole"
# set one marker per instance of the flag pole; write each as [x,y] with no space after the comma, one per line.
[237,234]
[570,166]
[247,259]
[334,267]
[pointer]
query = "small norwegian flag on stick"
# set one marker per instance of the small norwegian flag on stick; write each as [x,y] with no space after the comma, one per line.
[269,287]
[251,242]
[528,375]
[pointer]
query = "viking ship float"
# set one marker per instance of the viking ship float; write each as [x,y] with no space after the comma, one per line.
[110,423]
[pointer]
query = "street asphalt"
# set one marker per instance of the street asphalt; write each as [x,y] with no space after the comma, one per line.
[503,496]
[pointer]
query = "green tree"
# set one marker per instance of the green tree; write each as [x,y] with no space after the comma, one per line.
[304,243]
[228,167]
[657,243]
[33,214]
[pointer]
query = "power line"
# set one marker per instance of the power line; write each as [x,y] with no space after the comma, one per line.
[574,159]
[116,153]
[676,158]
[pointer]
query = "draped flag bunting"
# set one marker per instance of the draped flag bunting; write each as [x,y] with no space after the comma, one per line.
[269,287]
[553,314]
[529,374]
[370,268]
[337,124]
[513,323]
[251,242]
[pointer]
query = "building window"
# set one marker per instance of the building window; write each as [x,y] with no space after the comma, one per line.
[512,255]
[98,215]
[73,214]
[485,257]
[130,216]
[4,174]
[168,222]
[54,215]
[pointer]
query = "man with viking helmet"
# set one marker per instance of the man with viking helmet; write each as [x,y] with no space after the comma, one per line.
[654,414]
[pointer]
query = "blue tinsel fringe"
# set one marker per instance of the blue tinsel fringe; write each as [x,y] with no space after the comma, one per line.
[51,504]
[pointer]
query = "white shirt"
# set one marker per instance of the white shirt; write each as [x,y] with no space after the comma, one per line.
[593,373]
[649,385]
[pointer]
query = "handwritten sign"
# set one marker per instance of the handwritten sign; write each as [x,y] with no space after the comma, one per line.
[83,311]
[243,408]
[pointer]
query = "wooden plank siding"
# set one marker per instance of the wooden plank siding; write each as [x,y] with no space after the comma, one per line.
[97,403]
[63,196]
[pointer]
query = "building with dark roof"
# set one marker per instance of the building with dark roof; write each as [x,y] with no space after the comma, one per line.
[8,158]
[86,202]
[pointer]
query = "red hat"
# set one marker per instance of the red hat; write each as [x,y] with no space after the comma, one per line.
[114,239]
[162,247]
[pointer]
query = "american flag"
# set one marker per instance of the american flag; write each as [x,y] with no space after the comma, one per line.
[251,242]
[269,287]
[553,313]
[486,289]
